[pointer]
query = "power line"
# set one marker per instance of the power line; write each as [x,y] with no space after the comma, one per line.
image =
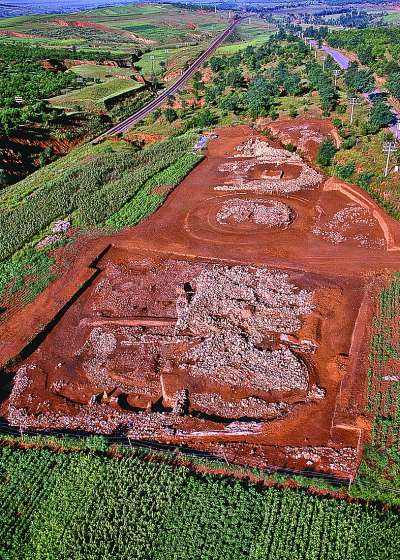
[389,148]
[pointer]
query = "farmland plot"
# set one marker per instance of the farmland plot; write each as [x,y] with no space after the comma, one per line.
[87,506]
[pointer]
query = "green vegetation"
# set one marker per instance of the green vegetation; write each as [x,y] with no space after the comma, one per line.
[377,47]
[87,505]
[381,461]
[150,196]
[326,152]
[100,72]
[92,98]
[32,83]
[91,184]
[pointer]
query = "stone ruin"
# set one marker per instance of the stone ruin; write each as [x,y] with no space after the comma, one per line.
[269,213]
[256,152]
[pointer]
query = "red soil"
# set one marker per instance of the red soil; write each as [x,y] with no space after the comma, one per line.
[105,28]
[321,433]
[6,33]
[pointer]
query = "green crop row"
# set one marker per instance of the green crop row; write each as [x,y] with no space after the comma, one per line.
[94,188]
[381,460]
[57,506]
[147,200]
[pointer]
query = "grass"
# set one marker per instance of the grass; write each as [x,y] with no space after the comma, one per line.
[99,71]
[233,48]
[87,505]
[92,98]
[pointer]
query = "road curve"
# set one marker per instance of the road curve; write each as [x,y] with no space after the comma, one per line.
[161,98]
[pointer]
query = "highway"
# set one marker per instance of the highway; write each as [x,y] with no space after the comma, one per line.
[129,122]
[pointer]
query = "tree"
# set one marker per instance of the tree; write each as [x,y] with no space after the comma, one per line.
[345,171]
[380,116]
[326,152]
[393,84]
[359,80]
[170,114]
[217,63]
[230,103]
[211,94]
[292,84]
[259,96]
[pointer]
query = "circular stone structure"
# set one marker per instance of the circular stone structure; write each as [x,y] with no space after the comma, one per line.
[268,213]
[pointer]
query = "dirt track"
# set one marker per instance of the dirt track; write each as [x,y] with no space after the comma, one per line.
[338,247]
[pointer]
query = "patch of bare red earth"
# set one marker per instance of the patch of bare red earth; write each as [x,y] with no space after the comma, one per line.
[119,355]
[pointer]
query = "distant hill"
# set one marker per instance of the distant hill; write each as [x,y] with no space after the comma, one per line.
[15,8]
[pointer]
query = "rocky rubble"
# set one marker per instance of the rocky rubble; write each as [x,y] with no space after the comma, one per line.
[259,152]
[233,308]
[250,407]
[270,214]
[340,227]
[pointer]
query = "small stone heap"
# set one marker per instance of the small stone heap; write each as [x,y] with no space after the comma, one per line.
[270,214]
[340,227]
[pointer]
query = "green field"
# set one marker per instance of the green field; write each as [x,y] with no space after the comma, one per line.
[108,185]
[87,505]
[233,48]
[92,98]
[100,72]
[381,462]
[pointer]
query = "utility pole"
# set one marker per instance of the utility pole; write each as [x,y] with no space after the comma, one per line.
[336,74]
[389,148]
[398,130]
[323,63]
[353,102]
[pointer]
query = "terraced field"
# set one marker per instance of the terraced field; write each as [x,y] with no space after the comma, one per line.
[92,98]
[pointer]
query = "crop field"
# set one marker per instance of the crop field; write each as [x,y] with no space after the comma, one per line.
[100,72]
[87,505]
[93,98]
[121,26]
[381,463]
[96,194]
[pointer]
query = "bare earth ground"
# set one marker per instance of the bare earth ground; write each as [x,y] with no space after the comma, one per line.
[234,320]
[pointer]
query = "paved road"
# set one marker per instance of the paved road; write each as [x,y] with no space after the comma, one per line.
[161,98]
[340,59]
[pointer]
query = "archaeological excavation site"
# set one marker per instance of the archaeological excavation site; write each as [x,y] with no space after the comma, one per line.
[234,321]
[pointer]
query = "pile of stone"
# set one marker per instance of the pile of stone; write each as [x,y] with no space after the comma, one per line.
[270,214]
[339,228]
[233,308]
[250,407]
[258,153]
[306,135]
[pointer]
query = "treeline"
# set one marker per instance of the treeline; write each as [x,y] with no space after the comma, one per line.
[378,48]
[18,52]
